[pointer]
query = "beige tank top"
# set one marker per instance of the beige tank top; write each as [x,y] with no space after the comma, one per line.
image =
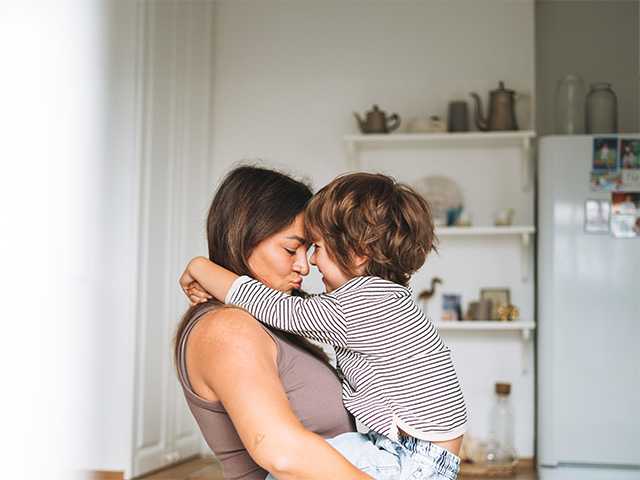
[314,393]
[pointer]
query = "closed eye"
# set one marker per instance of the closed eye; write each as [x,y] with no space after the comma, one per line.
[290,252]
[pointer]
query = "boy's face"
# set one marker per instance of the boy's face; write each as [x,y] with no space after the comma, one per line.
[332,276]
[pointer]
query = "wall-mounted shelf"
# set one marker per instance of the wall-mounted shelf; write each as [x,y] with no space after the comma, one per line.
[490,325]
[356,143]
[523,231]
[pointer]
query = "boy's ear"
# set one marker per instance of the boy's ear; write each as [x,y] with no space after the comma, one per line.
[360,262]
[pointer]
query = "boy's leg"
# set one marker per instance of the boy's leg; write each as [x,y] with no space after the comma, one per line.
[361,452]
[422,460]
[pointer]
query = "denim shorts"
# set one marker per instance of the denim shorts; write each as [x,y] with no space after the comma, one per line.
[406,459]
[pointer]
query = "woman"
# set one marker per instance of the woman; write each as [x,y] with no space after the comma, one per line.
[264,400]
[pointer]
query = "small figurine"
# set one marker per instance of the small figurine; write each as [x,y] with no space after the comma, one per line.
[426,294]
[508,313]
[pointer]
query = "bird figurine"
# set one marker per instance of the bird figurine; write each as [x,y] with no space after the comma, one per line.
[430,292]
[426,295]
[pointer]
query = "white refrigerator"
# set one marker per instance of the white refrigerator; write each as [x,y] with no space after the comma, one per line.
[588,338]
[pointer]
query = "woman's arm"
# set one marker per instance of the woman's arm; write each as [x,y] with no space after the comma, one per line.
[234,357]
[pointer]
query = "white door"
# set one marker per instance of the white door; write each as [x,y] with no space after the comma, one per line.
[173,152]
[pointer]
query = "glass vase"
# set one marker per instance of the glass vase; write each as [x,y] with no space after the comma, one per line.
[602,109]
[569,101]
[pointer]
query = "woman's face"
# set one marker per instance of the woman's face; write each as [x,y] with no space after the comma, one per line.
[280,261]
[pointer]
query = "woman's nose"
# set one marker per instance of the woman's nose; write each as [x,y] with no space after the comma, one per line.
[301,265]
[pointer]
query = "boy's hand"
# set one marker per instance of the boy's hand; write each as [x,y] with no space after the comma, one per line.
[192,289]
[197,294]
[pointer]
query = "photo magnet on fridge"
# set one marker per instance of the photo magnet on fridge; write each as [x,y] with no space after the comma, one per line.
[605,174]
[596,216]
[605,154]
[630,153]
[625,214]
[630,164]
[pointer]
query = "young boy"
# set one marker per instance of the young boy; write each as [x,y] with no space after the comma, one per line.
[370,235]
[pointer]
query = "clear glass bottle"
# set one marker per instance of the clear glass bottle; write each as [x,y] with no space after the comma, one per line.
[602,109]
[500,448]
[570,97]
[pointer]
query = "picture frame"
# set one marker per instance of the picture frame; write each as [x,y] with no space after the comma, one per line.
[498,297]
[451,307]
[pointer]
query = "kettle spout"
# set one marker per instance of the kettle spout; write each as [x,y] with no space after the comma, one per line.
[481,122]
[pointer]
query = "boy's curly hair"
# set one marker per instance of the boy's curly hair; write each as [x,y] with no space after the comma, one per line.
[373,216]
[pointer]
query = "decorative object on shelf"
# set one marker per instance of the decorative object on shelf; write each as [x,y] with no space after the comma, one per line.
[453,214]
[508,313]
[432,124]
[442,193]
[569,100]
[500,448]
[502,115]
[436,124]
[601,109]
[426,295]
[504,217]
[479,310]
[376,121]
[458,118]
[498,297]
[464,219]
[451,307]
[418,125]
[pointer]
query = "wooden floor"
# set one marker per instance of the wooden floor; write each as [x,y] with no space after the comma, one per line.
[207,468]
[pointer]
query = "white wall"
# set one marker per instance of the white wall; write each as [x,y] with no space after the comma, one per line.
[287,76]
[598,41]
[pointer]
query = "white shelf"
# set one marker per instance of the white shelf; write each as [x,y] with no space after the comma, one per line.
[491,139]
[355,143]
[493,325]
[476,231]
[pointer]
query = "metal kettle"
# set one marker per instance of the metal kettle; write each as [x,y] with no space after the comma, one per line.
[376,121]
[502,115]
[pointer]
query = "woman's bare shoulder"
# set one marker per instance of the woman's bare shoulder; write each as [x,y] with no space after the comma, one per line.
[228,328]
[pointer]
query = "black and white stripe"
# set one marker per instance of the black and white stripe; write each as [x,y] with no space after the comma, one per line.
[397,370]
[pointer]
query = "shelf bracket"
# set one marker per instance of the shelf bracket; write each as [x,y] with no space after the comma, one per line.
[526,163]
[526,337]
[524,267]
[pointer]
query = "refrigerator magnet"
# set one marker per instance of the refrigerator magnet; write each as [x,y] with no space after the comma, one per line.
[625,214]
[630,154]
[605,180]
[629,162]
[605,154]
[597,214]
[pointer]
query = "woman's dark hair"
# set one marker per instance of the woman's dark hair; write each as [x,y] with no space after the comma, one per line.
[251,204]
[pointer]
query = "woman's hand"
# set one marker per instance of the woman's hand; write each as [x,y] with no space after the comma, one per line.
[191,288]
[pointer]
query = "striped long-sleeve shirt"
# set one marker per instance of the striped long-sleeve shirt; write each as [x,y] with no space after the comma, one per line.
[398,373]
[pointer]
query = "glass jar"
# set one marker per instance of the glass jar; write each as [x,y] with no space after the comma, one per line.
[602,109]
[500,449]
[570,93]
